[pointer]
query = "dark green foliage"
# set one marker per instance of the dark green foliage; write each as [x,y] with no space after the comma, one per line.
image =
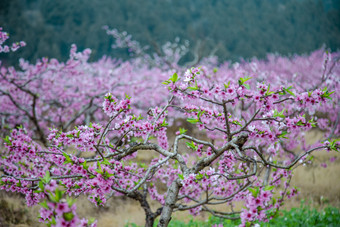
[236,28]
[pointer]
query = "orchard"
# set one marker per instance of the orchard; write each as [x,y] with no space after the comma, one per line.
[254,117]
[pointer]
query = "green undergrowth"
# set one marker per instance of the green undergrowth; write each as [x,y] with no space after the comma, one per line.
[303,216]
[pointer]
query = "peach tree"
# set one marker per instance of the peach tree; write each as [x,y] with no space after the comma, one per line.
[253,115]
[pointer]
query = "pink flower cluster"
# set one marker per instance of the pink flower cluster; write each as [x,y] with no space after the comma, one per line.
[257,207]
[82,138]
[5,48]
[112,107]
[62,213]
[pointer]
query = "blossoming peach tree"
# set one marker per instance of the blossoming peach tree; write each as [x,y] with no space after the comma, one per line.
[254,117]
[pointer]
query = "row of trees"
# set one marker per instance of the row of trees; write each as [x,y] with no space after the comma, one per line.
[116,110]
[232,28]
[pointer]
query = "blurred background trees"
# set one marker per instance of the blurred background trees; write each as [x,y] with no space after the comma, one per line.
[236,29]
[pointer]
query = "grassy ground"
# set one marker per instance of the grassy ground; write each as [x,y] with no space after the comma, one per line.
[302,216]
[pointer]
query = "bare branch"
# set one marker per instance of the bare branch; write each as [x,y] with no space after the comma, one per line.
[265,162]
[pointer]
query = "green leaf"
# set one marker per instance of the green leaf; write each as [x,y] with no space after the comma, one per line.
[98,200]
[181,176]
[91,220]
[269,188]
[99,171]
[191,145]
[69,136]
[241,81]
[227,85]
[245,79]
[193,88]
[327,94]
[254,191]
[283,135]
[44,205]
[312,122]
[68,216]
[84,165]
[199,176]
[235,122]
[127,96]
[333,145]
[268,91]
[200,113]
[67,158]
[281,114]
[182,131]
[7,140]
[274,201]
[53,222]
[52,198]
[136,182]
[140,117]
[288,90]
[275,114]
[143,165]
[58,194]
[192,120]
[300,123]
[164,124]
[99,168]
[47,178]
[174,78]
[70,201]
[106,162]
[41,185]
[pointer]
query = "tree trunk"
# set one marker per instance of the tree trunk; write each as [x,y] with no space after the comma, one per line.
[149,220]
[149,215]
[170,201]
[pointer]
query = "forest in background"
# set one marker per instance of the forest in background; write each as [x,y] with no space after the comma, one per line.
[234,29]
